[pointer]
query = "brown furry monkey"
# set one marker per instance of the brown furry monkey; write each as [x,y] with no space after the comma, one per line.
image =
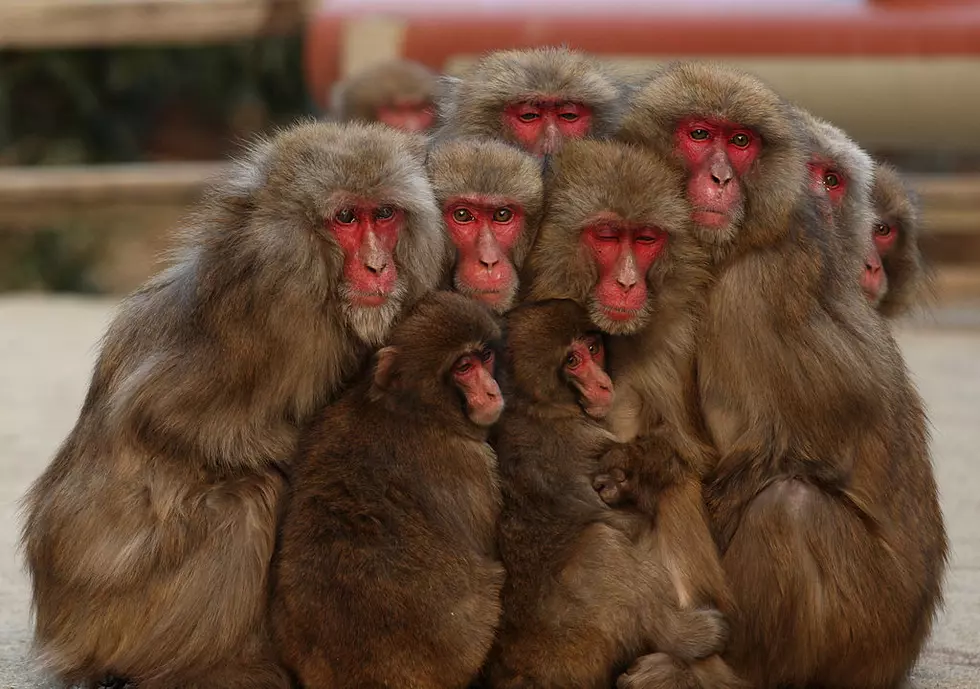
[586,591]
[536,99]
[491,198]
[824,490]
[398,93]
[387,574]
[149,536]
[616,239]
[897,226]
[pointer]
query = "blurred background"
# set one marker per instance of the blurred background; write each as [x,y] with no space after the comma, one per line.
[114,113]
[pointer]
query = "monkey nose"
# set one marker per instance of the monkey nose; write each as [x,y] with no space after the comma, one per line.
[376,267]
[874,269]
[626,283]
[489,263]
[721,178]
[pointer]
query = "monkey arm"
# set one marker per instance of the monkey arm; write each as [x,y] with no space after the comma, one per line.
[639,471]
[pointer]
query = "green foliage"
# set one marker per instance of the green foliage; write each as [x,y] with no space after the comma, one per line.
[59,260]
[129,104]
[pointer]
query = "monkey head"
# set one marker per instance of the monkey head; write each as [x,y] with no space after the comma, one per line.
[342,214]
[398,93]
[895,231]
[536,99]
[440,363]
[738,143]
[491,197]
[615,236]
[555,355]
[842,175]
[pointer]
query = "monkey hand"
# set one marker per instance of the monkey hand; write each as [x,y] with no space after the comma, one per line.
[613,483]
[654,671]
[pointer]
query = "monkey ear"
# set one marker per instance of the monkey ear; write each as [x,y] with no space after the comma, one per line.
[385,367]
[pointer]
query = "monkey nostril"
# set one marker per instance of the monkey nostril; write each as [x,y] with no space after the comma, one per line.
[489,264]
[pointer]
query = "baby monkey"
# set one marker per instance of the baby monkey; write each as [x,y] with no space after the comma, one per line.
[386,575]
[585,594]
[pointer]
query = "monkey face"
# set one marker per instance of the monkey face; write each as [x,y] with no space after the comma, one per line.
[541,126]
[623,253]
[409,116]
[484,231]
[717,153]
[584,368]
[472,374]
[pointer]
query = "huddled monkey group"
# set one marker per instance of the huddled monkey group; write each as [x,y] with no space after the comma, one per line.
[592,384]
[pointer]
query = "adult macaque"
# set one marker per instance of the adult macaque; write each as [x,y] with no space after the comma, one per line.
[398,93]
[387,574]
[823,501]
[586,591]
[536,99]
[616,240]
[490,194]
[149,536]
[896,229]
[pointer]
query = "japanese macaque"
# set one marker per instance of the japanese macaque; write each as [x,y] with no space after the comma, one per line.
[536,99]
[616,239]
[149,536]
[896,228]
[398,93]
[586,590]
[823,501]
[490,194]
[386,574]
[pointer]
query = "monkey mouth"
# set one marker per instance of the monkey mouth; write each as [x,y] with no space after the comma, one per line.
[368,298]
[709,217]
[618,313]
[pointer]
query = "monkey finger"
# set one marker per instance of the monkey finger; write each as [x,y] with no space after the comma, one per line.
[613,488]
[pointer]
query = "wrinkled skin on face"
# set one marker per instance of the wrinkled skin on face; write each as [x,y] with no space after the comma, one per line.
[717,153]
[472,374]
[542,125]
[584,367]
[368,232]
[623,253]
[484,230]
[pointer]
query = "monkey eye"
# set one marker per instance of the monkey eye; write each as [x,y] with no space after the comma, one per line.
[595,346]
[882,230]
[741,140]
[503,215]
[569,116]
[486,355]
[462,215]
[573,360]
[463,365]
[529,116]
[700,134]
[345,216]
[647,238]
[384,213]
[831,180]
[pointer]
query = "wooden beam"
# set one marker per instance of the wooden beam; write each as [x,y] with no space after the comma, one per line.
[30,24]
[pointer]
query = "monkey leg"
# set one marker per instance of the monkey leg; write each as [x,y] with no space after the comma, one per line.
[822,598]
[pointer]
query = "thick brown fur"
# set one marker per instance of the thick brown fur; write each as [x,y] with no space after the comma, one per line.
[474,104]
[909,279]
[651,364]
[492,168]
[586,591]
[824,502]
[681,89]
[387,575]
[149,536]
[359,96]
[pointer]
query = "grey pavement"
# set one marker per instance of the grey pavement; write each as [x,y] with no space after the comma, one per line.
[48,346]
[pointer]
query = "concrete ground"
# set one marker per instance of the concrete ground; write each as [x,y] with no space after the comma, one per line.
[48,345]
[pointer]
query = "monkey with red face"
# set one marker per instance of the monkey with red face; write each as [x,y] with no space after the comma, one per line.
[149,536]
[824,488]
[536,99]
[586,591]
[398,93]
[386,573]
[491,198]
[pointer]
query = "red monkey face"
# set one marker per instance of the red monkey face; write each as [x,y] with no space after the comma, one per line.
[472,373]
[484,231]
[584,368]
[367,233]
[409,116]
[623,253]
[541,126]
[717,154]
